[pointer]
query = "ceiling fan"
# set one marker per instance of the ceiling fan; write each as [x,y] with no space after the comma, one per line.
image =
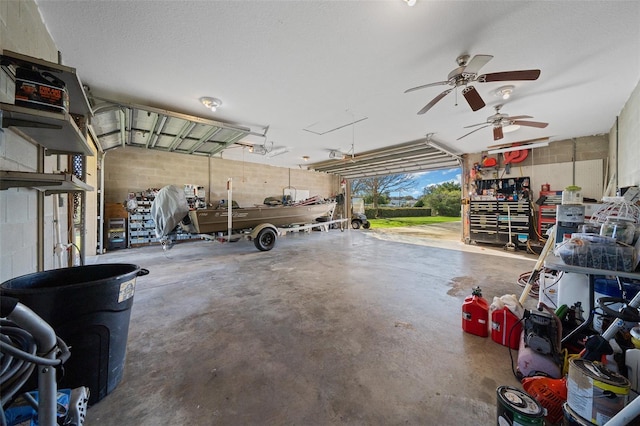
[466,73]
[498,121]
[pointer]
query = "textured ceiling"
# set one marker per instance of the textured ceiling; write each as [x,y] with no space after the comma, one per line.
[306,69]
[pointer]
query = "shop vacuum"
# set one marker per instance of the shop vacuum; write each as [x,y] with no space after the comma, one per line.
[540,344]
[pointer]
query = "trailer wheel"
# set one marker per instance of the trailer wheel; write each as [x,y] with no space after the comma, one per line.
[265,240]
[366,225]
[355,224]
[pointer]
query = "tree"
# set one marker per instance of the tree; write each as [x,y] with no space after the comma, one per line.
[441,187]
[377,187]
[444,198]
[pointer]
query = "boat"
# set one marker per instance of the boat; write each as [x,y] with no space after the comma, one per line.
[211,220]
[261,223]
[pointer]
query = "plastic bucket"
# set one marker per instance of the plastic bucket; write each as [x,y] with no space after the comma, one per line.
[516,407]
[89,307]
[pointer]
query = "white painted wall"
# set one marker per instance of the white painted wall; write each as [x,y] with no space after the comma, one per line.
[624,139]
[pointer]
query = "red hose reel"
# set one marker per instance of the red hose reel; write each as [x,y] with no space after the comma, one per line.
[515,156]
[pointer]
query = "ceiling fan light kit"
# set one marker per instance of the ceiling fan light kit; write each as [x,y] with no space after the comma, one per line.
[466,74]
[504,123]
[510,128]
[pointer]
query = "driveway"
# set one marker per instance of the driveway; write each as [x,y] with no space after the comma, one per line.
[446,235]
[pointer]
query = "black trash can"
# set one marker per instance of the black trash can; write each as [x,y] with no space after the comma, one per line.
[89,307]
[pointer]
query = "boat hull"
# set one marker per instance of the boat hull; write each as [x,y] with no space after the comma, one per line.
[206,221]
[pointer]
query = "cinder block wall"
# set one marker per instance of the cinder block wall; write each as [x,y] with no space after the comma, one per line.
[22,30]
[134,169]
[557,154]
[543,165]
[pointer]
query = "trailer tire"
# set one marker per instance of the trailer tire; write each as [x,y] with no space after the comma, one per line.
[366,225]
[355,224]
[265,240]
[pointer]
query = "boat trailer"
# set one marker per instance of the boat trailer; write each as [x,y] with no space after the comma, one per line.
[264,235]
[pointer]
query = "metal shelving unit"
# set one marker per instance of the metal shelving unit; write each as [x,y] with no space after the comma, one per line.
[547,210]
[57,132]
[489,221]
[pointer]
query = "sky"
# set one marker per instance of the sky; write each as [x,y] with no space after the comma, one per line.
[435,177]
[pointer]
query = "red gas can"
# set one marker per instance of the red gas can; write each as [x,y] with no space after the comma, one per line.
[506,328]
[475,314]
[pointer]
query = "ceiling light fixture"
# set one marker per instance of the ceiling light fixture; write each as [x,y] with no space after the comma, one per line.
[510,128]
[504,92]
[410,3]
[211,103]
[518,147]
[305,157]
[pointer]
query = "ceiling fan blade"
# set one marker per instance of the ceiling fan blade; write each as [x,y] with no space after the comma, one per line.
[439,83]
[509,76]
[486,125]
[473,98]
[476,63]
[531,123]
[474,125]
[497,133]
[435,100]
[519,117]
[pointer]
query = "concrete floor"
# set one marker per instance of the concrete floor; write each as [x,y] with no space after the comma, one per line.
[327,328]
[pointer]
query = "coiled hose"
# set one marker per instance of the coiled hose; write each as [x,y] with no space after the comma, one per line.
[18,359]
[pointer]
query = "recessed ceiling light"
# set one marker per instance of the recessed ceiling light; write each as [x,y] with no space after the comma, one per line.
[211,103]
[305,157]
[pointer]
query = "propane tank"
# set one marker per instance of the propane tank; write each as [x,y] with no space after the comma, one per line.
[475,314]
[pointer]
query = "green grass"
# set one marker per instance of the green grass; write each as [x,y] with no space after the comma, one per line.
[395,222]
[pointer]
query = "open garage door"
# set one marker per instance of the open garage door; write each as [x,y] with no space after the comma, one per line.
[411,157]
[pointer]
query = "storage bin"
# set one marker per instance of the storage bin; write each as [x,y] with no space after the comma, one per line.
[89,307]
[582,252]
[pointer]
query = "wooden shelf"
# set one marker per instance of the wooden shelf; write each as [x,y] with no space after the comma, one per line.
[49,183]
